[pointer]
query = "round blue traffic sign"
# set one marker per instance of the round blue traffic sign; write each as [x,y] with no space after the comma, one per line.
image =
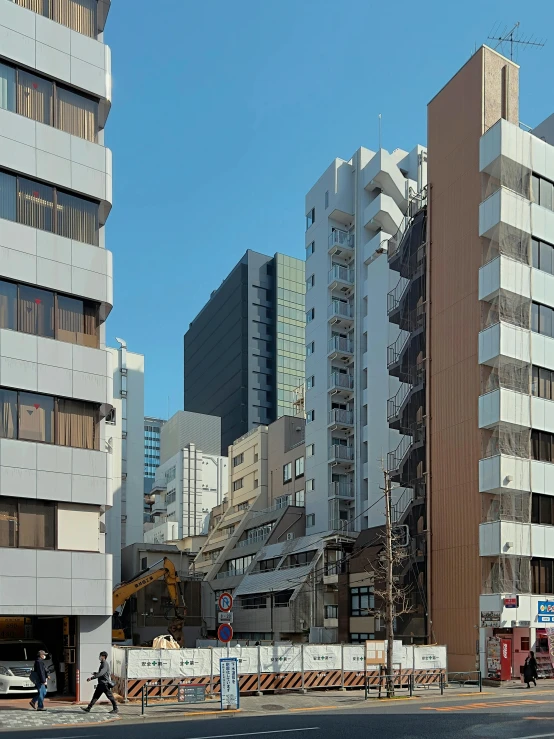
[225,633]
[225,602]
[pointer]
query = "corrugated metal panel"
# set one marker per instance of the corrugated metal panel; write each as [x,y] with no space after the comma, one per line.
[263,582]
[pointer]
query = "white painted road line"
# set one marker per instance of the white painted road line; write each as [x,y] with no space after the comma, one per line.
[263,733]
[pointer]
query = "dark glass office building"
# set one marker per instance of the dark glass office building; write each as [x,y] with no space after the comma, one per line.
[244,351]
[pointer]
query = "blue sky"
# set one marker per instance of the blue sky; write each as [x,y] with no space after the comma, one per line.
[225,113]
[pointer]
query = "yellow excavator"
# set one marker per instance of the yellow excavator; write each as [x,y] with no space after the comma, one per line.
[163,569]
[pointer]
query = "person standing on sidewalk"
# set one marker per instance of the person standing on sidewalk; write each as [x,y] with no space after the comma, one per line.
[530,669]
[104,686]
[40,678]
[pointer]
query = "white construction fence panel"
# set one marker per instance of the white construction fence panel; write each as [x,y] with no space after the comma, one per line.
[353,657]
[280,659]
[322,657]
[430,658]
[247,659]
[118,662]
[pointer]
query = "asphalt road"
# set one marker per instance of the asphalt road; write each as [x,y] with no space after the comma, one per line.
[485,718]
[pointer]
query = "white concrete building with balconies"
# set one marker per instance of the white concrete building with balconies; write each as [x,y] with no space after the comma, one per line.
[56,375]
[352,212]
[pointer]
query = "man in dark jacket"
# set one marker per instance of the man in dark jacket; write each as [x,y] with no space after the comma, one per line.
[104,686]
[41,681]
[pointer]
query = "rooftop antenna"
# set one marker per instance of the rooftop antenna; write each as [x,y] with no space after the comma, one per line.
[511,37]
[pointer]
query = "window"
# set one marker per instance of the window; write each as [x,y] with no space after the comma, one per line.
[253,601]
[144,563]
[267,565]
[27,523]
[310,382]
[542,510]
[111,419]
[299,467]
[238,484]
[79,15]
[36,311]
[541,575]
[43,418]
[170,474]
[310,520]
[287,472]
[326,199]
[310,416]
[301,559]
[310,485]
[310,348]
[542,319]
[310,450]
[280,600]
[310,218]
[310,315]
[48,102]
[299,498]
[543,192]
[256,483]
[362,601]
[310,249]
[171,497]
[543,256]
[541,445]
[310,282]
[48,209]
[361,638]
[542,383]
[239,459]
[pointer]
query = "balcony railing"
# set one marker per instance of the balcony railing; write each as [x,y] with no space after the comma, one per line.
[340,451]
[254,539]
[339,379]
[233,573]
[341,490]
[394,350]
[394,404]
[341,239]
[396,294]
[341,274]
[340,416]
[340,344]
[283,502]
[340,309]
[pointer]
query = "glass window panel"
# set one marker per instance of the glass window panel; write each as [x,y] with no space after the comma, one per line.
[8,305]
[77,423]
[535,317]
[76,114]
[545,320]
[535,508]
[36,417]
[535,250]
[8,414]
[544,383]
[535,188]
[7,87]
[546,194]
[545,259]
[36,311]
[77,321]
[545,447]
[36,524]
[535,444]
[80,15]
[77,218]
[35,204]
[535,381]
[35,97]
[8,522]
[8,197]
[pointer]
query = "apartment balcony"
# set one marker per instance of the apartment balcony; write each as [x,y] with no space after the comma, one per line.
[341,419]
[383,214]
[502,473]
[341,244]
[516,211]
[506,274]
[341,490]
[341,384]
[340,314]
[340,348]
[382,172]
[331,617]
[254,539]
[341,453]
[505,406]
[506,340]
[499,538]
[341,278]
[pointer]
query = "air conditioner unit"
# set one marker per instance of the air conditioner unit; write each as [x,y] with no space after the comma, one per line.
[290,536]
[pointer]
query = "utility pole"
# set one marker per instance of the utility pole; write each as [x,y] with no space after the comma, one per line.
[389,596]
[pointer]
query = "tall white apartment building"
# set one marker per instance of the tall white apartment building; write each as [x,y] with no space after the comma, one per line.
[352,211]
[55,295]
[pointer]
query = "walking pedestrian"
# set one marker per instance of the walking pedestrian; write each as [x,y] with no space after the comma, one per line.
[40,678]
[530,670]
[104,686]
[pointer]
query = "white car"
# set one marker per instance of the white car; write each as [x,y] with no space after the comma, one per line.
[17,657]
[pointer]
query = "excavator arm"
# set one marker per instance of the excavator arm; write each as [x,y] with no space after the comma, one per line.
[167,571]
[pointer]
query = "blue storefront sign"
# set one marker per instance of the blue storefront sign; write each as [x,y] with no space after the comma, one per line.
[546,612]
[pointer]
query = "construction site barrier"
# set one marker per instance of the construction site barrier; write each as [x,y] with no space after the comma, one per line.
[184,693]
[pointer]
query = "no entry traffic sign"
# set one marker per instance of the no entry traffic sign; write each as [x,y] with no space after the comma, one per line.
[225,633]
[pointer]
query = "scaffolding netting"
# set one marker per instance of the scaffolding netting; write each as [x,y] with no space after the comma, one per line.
[506,574]
[506,438]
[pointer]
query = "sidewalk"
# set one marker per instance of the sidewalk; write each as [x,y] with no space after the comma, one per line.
[15,714]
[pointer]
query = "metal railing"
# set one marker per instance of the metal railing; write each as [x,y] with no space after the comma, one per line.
[341,238]
[340,344]
[337,415]
[340,379]
[342,274]
[395,349]
[395,403]
[391,684]
[281,503]
[464,679]
[253,539]
[417,201]
[340,309]
[340,451]
[341,490]
[396,294]
[401,505]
